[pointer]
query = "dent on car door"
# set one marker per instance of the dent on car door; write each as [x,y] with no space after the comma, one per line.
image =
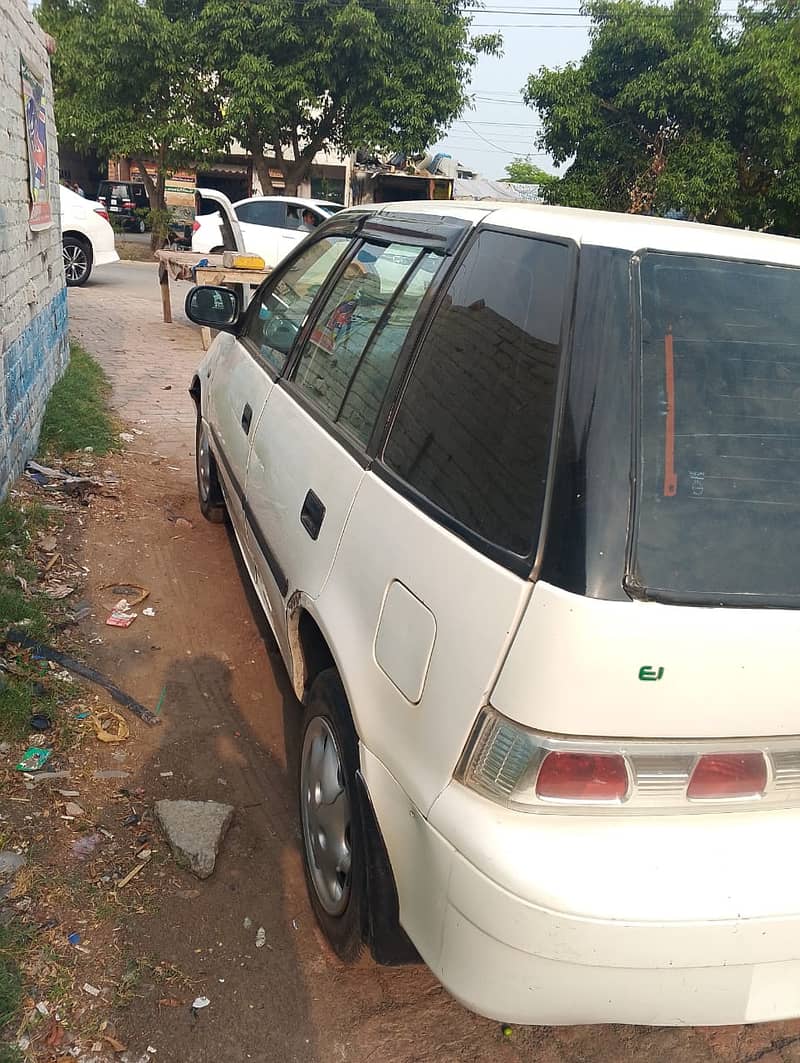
[309,456]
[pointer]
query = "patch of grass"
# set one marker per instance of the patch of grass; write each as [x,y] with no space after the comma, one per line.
[77,414]
[11,946]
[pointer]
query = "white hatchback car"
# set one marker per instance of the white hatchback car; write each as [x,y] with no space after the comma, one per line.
[271,226]
[86,236]
[518,489]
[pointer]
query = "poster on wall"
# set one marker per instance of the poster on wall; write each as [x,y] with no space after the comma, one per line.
[33,102]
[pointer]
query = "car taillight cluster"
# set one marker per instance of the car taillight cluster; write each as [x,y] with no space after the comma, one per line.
[519,767]
[127,205]
[195,225]
[101,212]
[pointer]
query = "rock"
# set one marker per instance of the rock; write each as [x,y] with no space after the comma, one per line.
[10,863]
[194,830]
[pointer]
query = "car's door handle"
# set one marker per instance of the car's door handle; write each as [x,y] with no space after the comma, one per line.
[312,514]
[247,417]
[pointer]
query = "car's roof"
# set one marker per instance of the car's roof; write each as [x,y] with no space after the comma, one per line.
[294,201]
[631,232]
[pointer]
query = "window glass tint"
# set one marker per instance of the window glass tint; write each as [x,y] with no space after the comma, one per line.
[719,502]
[345,334]
[280,305]
[472,431]
[262,212]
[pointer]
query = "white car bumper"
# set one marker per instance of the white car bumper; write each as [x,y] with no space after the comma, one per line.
[551,919]
[105,258]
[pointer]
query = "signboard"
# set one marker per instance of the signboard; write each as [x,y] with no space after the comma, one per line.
[33,105]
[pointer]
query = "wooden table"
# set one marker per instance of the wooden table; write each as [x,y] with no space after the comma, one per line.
[182,265]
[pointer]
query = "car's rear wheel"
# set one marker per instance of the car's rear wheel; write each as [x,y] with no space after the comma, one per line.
[77,261]
[333,848]
[141,225]
[209,491]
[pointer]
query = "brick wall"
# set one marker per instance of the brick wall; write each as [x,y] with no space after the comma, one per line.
[33,307]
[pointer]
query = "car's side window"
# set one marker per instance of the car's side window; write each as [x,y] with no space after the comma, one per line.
[472,431]
[348,359]
[262,212]
[280,305]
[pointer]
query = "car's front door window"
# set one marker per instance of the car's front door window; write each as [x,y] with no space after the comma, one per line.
[280,305]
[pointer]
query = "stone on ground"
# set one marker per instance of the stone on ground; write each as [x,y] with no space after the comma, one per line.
[10,863]
[194,830]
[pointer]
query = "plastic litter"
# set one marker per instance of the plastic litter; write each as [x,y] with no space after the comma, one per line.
[74,939]
[34,758]
[200,1002]
[133,593]
[121,615]
[261,938]
[127,437]
[104,721]
[86,845]
[149,611]
[40,721]
[92,990]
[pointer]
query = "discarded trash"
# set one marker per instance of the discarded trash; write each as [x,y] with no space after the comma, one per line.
[74,939]
[57,591]
[69,793]
[48,653]
[200,1002]
[127,437]
[40,721]
[131,875]
[80,611]
[34,758]
[261,938]
[42,1008]
[149,611]
[86,845]
[134,593]
[59,480]
[71,809]
[92,990]
[48,776]
[121,614]
[161,696]
[104,721]
[110,773]
[144,855]
[133,820]
[248,922]
[166,774]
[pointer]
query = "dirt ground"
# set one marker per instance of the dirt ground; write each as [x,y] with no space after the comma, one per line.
[229,732]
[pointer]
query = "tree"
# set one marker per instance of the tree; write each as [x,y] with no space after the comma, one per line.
[127,83]
[523,172]
[298,78]
[680,108]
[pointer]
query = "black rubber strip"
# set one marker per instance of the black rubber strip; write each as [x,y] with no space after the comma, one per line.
[19,638]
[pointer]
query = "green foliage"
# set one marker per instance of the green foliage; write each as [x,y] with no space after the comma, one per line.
[523,172]
[77,413]
[385,74]
[678,107]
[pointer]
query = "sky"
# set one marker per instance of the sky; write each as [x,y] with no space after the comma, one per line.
[499,127]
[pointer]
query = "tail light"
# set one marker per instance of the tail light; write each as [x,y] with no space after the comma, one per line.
[127,205]
[725,775]
[195,225]
[101,212]
[519,767]
[582,777]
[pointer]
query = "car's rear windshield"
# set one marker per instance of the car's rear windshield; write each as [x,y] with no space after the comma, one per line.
[718,509]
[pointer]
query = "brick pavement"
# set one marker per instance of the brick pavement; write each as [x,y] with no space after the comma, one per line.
[117,318]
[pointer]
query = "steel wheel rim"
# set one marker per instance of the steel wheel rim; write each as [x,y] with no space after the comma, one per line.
[326,815]
[203,464]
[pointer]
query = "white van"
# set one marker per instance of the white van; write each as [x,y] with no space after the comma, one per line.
[519,490]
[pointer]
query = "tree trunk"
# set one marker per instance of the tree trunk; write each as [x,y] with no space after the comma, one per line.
[261,167]
[159,224]
[294,173]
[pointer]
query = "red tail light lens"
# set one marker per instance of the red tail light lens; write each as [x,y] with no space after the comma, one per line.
[127,205]
[102,213]
[195,225]
[582,777]
[719,775]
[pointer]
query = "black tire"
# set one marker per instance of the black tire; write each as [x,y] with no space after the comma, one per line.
[141,226]
[327,709]
[209,492]
[77,260]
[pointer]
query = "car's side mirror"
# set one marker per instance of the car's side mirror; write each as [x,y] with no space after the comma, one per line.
[218,308]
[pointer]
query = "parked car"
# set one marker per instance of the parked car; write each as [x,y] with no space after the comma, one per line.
[271,225]
[86,236]
[126,201]
[523,518]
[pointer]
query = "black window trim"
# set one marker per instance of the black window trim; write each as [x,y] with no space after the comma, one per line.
[527,566]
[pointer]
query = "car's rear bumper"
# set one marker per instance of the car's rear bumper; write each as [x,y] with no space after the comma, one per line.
[558,919]
[105,258]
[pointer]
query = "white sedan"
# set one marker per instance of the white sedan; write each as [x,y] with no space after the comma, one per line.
[270,225]
[86,236]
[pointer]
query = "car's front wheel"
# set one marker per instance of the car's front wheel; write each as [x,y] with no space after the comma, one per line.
[333,848]
[77,261]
